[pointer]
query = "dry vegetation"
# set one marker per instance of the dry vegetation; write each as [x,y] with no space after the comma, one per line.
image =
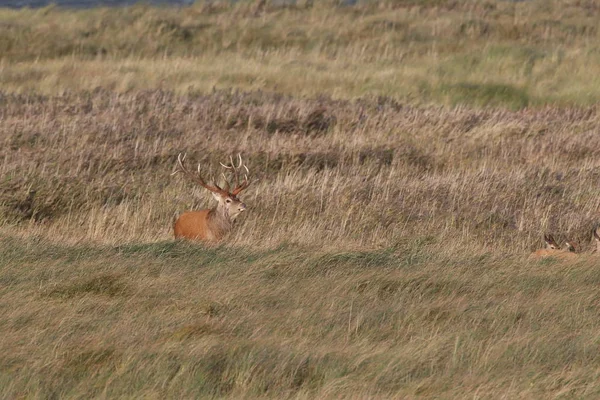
[384,253]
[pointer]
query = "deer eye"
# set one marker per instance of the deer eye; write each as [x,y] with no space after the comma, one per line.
[228,201]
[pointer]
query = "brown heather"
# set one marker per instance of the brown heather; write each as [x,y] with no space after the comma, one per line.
[385,249]
[361,174]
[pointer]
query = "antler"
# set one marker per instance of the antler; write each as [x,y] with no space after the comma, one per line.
[196,177]
[235,170]
[549,239]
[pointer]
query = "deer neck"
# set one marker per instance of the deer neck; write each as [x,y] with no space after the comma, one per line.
[219,221]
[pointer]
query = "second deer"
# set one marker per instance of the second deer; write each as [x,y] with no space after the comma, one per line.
[554,250]
[597,240]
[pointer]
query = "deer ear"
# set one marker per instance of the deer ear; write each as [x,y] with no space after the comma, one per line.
[570,247]
[217,196]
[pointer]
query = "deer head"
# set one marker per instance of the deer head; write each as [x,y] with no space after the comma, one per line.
[551,243]
[228,203]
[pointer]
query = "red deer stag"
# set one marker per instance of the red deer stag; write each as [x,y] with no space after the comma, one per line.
[213,224]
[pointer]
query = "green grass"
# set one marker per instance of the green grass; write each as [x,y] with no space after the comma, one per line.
[478,53]
[180,320]
[486,95]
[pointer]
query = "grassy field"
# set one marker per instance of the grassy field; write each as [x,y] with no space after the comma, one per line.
[483,53]
[408,156]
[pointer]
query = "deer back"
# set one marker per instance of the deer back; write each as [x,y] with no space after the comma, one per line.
[554,250]
[193,225]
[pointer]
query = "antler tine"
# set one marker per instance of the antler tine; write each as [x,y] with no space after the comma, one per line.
[246,174]
[244,185]
[235,171]
[227,186]
[179,167]
[227,167]
[195,177]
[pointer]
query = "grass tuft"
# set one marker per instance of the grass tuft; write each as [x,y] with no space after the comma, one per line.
[486,95]
[103,285]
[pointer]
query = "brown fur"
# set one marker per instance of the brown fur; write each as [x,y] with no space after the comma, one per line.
[206,225]
[554,250]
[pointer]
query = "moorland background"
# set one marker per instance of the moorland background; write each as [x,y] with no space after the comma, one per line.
[409,156]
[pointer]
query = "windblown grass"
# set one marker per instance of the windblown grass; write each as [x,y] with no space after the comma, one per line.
[176,320]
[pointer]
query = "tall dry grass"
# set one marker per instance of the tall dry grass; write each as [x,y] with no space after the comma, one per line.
[360,174]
